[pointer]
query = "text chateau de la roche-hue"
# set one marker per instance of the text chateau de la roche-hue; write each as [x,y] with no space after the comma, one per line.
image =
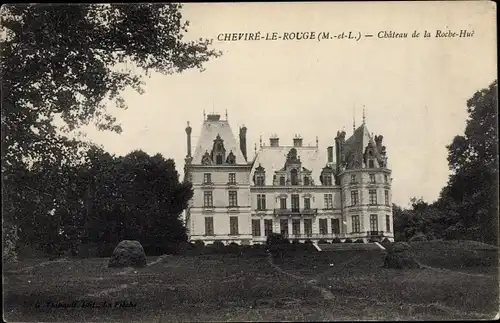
[296,190]
[323,35]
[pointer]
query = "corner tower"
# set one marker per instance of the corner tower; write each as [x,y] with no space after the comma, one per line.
[365,180]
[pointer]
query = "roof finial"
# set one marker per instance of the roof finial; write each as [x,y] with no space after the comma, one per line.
[317,141]
[204,115]
[364,117]
[226,114]
[260,141]
[255,148]
[188,123]
[213,106]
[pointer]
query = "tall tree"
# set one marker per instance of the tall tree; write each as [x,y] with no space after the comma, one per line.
[66,63]
[471,194]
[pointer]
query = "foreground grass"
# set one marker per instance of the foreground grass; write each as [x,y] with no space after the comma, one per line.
[239,288]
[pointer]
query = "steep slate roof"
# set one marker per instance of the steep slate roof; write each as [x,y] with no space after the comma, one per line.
[357,143]
[209,131]
[274,158]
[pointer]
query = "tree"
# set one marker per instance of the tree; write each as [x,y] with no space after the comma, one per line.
[471,195]
[65,63]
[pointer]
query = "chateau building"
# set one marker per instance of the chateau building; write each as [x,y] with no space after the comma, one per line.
[287,189]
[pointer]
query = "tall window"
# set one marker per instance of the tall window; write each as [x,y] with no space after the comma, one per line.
[386,180]
[388,223]
[353,179]
[294,178]
[207,199]
[306,180]
[373,222]
[372,178]
[307,203]
[233,225]
[284,227]
[371,163]
[308,227]
[335,226]
[354,198]
[261,201]
[373,197]
[232,178]
[323,226]
[386,197]
[282,180]
[209,226]
[296,227]
[295,203]
[283,203]
[328,201]
[259,180]
[207,178]
[268,227]
[256,228]
[356,225]
[233,198]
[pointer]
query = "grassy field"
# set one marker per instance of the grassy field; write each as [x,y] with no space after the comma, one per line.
[299,286]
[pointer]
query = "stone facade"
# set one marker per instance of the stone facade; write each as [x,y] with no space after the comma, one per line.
[293,190]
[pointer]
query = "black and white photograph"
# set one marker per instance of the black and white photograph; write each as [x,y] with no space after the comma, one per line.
[249,161]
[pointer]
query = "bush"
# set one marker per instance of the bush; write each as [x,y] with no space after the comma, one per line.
[348,240]
[322,241]
[218,245]
[418,237]
[274,239]
[199,244]
[295,242]
[336,240]
[308,241]
[359,241]
[400,257]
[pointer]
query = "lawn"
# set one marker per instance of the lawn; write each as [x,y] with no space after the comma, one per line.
[300,286]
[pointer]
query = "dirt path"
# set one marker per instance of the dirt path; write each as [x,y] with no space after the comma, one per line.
[405,307]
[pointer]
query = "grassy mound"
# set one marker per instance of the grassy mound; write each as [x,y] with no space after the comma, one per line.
[452,254]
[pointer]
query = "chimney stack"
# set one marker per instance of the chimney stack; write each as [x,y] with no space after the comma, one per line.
[188,133]
[243,141]
[330,154]
[274,141]
[297,141]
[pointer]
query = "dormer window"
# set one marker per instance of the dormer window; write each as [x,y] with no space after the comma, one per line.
[218,151]
[260,176]
[327,180]
[327,176]
[231,159]
[371,163]
[294,178]
[306,180]
[282,180]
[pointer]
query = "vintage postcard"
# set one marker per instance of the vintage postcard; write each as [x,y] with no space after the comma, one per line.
[315,161]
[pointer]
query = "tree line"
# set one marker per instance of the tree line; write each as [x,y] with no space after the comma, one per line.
[467,207]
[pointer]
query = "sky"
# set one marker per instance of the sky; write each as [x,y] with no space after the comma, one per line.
[414,90]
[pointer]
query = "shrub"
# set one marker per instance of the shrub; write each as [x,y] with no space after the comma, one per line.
[359,241]
[308,241]
[295,241]
[418,237]
[336,240]
[199,244]
[218,245]
[348,240]
[400,257]
[274,239]
[286,241]
[322,241]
